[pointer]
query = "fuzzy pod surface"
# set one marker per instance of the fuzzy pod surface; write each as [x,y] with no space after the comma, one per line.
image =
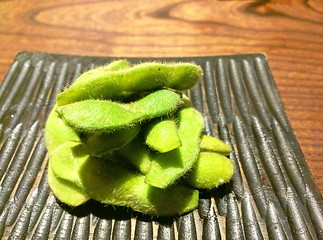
[168,167]
[108,116]
[210,170]
[115,184]
[106,84]
[213,144]
[99,144]
[57,132]
[65,191]
[162,135]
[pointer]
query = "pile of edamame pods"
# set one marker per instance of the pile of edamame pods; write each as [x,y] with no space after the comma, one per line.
[125,135]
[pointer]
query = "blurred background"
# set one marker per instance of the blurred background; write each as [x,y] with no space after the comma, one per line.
[289,32]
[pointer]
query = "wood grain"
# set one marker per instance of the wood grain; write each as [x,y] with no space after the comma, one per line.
[289,33]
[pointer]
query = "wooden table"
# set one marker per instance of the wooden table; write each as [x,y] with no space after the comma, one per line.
[290,34]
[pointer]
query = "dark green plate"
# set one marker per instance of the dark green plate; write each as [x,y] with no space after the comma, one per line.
[272,193]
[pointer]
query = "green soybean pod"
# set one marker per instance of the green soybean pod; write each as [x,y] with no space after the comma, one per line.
[116,85]
[66,162]
[57,132]
[212,144]
[210,170]
[117,65]
[101,143]
[162,135]
[168,167]
[113,66]
[136,153]
[65,191]
[108,116]
[111,183]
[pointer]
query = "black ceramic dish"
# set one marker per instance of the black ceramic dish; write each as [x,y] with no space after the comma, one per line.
[272,194]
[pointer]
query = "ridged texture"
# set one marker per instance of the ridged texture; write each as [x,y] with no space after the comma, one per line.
[271,196]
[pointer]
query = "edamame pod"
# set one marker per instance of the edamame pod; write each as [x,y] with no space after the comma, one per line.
[65,191]
[162,135]
[57,132]
[113,66]
[97,149]
[210,170]
[105,84]
[111,183]
[66,162]
[212,144]
[101,143]
[136,153]
[166,168]
[117,65]
[108,116]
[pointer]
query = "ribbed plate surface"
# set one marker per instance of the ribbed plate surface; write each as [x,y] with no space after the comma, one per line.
[272,194]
